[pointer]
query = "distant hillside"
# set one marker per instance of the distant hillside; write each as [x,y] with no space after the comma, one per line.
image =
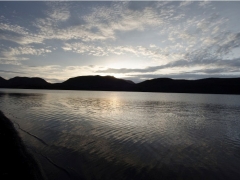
[27,83]
[3,82]
[110,83]
[104,83]
[209,85]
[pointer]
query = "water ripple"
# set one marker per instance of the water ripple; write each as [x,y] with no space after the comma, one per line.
[113,135]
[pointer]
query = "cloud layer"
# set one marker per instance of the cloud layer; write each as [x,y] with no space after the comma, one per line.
[161,38]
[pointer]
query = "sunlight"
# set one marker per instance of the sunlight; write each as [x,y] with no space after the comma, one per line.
[125,64]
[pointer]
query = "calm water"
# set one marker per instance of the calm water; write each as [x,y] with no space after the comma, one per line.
[128,135]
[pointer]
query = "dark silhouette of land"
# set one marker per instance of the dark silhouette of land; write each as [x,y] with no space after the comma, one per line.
[3,82]
[110,83]
[16,161]
[100,83]
[203,86]
[28,83]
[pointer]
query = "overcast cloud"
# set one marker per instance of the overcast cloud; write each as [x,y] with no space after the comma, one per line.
[133,40]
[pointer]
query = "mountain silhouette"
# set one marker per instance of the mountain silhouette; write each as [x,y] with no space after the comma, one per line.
[104,83]
[3,82]
[26,83]
[208,85]
[110,83]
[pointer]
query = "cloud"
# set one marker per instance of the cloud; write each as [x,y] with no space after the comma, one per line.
[185,3]
[176,36]
[149,52]
[11,62]
[59,11]
[46,72]
[82,48]
[17,33]
[14,55]
[119,17]
[13,28]
[101,23]
[204,3]
[228,43]
[25,50]
[232,65]
[15,72]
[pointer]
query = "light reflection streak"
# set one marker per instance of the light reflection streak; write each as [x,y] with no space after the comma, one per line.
[124,130]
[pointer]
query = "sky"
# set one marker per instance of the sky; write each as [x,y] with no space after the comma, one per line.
[130,40]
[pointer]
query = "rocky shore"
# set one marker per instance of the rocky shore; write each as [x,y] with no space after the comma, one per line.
[16,161]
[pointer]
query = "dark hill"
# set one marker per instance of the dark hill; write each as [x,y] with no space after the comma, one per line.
[110,83]
[3,82]
[26,82]
[209,85]
[103,83]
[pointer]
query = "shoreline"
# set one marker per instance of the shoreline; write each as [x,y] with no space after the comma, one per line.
[16,159]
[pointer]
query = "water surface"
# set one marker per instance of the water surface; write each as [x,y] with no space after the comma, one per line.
[128,135]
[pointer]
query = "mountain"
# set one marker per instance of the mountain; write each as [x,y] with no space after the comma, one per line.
[110,83]
[209,85]
[103,83]
[27,83]
[3,82]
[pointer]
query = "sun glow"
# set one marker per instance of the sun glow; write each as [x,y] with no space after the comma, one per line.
[123,64]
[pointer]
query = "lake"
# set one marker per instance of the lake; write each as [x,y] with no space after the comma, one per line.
[128,135]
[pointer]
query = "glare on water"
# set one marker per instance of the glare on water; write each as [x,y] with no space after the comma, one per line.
[128,135]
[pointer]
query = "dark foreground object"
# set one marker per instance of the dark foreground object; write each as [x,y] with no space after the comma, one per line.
[16,162]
